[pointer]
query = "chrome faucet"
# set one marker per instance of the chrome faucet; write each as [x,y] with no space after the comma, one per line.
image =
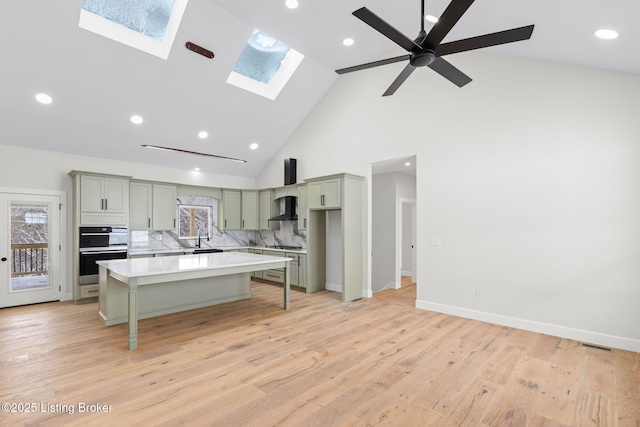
[199,243]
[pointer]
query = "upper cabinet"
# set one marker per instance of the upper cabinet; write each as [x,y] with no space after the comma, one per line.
[245,209]
[324,193]
[231,210]
[152,207]
[303,212]
[250,211]
[140,206]
[102,199]
[164,207]
[268,209]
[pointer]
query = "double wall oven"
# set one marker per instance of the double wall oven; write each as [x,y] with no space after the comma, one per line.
[100,244]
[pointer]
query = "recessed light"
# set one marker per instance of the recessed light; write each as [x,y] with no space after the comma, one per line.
[136,119]
[407,164]
[253,146]
[203,134]
[197,169]
[431,18]
[291,4]
[43,98]
[606,34]
[347,42]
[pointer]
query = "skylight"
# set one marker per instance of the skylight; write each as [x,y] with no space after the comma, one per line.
[147,25]
[264,66]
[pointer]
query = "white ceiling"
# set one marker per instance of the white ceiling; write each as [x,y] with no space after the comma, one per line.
[97,84]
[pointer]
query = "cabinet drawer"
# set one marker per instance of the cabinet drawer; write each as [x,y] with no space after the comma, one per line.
[273,275]
[88,291]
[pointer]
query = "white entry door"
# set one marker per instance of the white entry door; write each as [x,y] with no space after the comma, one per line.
[29,249]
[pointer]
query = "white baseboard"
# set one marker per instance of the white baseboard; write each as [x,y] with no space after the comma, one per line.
[366,293]
[390,285]
[528,325]
[333,287]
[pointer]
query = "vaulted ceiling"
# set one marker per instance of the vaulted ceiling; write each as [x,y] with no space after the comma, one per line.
[97,84]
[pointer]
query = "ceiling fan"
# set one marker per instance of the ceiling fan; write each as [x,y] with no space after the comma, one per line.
[427,51]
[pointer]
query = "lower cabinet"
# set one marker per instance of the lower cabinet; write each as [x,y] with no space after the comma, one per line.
[297,269]
[88,291]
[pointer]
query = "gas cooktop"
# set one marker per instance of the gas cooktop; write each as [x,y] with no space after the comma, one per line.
[291,248]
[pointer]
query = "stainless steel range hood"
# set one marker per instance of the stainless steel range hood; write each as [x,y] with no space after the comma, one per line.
[289,201]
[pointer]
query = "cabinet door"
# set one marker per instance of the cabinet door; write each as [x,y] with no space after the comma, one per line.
[164,207]
[293,269]
[332,193]
[116,194]
[91,193]
[302,271]
[315,191]
[249,210]
[302,208]
[140,206]
[231,214]
[266,209]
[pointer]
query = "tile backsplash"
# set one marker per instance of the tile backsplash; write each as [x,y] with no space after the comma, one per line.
[287,234]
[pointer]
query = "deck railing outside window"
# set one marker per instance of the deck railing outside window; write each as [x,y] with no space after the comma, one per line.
[29,259]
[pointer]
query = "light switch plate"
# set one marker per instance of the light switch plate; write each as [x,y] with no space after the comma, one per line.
[435,241]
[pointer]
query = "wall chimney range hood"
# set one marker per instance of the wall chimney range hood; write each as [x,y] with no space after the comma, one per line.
[289,201]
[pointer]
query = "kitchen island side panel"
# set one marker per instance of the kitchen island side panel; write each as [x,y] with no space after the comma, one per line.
[164,298]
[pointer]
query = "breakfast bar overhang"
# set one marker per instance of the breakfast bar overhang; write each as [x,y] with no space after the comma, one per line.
[133,289]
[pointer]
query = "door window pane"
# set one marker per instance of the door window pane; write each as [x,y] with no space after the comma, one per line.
[29,247]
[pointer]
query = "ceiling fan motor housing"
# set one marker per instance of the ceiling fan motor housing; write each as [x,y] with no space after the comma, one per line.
[422,58]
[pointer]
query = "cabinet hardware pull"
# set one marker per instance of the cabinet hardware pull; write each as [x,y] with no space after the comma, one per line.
[225,222]
[305,223]
[106,204]
[149,222]
[243,223]
[93,291]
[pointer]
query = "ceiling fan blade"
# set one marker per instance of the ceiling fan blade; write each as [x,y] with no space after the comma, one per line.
[493,39]
[449,18]
[404,75]
[449,72]
[385,28]
[373,64]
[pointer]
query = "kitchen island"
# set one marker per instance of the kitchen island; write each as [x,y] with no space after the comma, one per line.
[132,289]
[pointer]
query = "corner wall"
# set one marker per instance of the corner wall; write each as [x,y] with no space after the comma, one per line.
[530,175]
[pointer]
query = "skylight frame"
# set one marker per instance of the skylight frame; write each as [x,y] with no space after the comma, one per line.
[109,29]
[271,90]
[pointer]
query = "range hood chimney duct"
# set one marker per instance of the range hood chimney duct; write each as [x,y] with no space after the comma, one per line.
[289,201]
[290,171]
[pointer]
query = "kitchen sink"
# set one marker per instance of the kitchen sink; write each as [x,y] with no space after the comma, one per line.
[206,250]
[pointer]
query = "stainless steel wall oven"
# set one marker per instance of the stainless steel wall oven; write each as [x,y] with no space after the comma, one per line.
[100,243]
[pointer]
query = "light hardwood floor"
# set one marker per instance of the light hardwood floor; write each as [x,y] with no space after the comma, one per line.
[372,362]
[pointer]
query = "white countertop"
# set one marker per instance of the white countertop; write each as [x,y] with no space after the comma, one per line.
[139,267]
[177,251]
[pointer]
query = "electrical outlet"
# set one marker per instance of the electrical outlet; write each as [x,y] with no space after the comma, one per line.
[479,291]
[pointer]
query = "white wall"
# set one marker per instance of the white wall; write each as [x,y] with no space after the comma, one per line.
[530,175]
[387,189]
[28,169]
[383,231]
